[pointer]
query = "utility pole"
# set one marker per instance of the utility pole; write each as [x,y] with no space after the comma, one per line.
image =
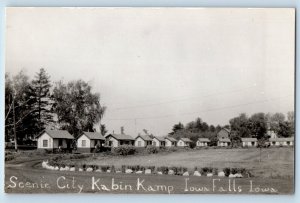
[14,120]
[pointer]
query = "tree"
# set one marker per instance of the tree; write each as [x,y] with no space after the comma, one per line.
[76,107]
[20,123]
[240,125]
[274,121]
[285,129]
[103,130]
[176,128]
[291,121]
[41,87]
[258,125]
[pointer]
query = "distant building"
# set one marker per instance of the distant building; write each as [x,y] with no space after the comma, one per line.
[223,133]
[116,140]
[249,142]
[202,142]
[158,141]
[54,139]
[184,142]
[170,142]
[142,141]
[223,142]
[88,141]
[281,141]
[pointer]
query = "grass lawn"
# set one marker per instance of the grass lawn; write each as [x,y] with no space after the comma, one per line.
[275,162]
[273,175]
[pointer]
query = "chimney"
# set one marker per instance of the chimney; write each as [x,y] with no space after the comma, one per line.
[122,130]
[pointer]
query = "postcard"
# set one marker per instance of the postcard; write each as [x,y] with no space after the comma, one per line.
[150,100]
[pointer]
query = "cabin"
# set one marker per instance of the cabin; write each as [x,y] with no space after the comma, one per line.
[142,141]
[223,133]
[170,142]
[249,142]
[281,141]
[89,141]
[184,142]
[158,142]
[116,140]
[202,142]
[54,139]
[223,142]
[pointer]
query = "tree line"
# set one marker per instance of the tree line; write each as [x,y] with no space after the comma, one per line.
[31,105]
[241,126]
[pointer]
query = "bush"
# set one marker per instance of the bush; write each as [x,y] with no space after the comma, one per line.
[226,171]
[206,170]
[234,171]
[125,150]
[152,150]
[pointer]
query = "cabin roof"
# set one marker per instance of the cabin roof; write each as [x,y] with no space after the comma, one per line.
[57,134]
[121,136]
[94,135]
[203,139]
[185,139]
[144,137]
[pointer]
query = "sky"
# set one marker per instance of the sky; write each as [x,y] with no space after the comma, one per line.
[155,67]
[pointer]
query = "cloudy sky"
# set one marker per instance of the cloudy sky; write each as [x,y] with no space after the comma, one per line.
[156,67]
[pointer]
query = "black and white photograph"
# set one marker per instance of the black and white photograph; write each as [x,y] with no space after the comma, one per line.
[163,100]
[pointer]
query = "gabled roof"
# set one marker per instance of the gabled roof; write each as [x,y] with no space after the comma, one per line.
[282,139]
[202,139]
[144,137]
[121,136]
[248,139]
[162,139]
[57,134]
[224,140]
[171,139]
[94,135]
[185,139]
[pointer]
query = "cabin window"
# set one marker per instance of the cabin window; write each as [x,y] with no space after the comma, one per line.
[83,143]
[45,143]
[288,143]
[273,143]
[252,143]
[139,143]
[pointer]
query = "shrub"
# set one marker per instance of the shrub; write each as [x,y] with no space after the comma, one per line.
[125,150]
[206,170]
[234,171]
[152,150]
[162,148]
[104,168]
[226,171]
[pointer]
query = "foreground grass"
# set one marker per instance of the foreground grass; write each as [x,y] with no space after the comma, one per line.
[273,162]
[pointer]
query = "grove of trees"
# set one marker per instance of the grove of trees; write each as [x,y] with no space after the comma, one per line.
[241,126]
[33,105]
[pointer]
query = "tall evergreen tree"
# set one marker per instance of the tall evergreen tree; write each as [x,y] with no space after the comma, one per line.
[41,88]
